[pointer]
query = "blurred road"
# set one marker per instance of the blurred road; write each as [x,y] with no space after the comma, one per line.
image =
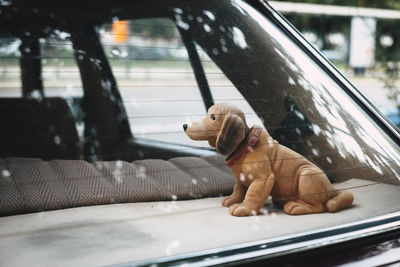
[156,110]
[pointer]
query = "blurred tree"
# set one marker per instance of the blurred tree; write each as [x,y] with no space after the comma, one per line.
[154,28]
[387,50]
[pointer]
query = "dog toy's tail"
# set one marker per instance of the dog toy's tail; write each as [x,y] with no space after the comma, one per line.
[342,200]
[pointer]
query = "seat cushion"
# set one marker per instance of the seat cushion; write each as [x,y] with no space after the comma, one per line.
[30,184]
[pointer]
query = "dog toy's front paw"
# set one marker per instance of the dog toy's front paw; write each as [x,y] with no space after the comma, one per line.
[242,210]
[230,200]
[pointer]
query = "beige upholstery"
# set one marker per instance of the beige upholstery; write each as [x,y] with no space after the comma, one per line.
[30,185]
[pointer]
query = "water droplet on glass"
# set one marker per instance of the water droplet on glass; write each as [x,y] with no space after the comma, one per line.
[140,153]
[36,94]
[116,52]
[57,140]
[63,35]
[180,23]
[299,114]
[99,166]
[222,41]
[172,246]
[238,38]
[119,164]
[264,211]
[207,27]
[141,172]
[178,10]
[329,160]
[5,173]
[5,2]
[209,14]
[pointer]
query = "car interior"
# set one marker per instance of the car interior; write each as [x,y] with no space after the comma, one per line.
[94,161]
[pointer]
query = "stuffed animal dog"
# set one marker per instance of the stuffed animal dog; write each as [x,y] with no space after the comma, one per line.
[263,167]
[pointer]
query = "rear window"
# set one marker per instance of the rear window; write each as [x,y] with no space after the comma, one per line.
[158,85]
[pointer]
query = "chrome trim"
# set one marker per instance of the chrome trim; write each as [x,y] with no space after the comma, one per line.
[274,247]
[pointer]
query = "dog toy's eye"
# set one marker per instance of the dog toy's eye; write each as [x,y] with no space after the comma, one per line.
[213,117]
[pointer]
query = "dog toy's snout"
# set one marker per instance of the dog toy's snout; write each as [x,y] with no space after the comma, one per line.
[185,126]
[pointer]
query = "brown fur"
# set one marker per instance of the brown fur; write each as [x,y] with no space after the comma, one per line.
[294,183]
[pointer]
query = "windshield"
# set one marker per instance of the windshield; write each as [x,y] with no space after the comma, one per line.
[98,101]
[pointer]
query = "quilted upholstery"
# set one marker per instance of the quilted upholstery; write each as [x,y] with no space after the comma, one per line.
[31,185]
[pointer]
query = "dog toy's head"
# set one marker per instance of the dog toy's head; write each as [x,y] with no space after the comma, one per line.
[224,127]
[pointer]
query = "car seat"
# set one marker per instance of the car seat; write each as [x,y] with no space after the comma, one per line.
[40,128]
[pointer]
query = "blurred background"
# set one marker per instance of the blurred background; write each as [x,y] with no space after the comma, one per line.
[360,37]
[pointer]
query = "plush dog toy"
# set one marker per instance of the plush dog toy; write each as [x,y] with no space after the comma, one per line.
[263,167]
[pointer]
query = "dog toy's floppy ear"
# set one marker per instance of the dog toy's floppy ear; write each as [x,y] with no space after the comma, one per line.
[231,134]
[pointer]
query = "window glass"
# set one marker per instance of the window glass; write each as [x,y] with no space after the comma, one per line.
[300,105]
[223,91]
[40,108]
[9,67]
[60,73]
[156,79]
[143,155]
[154,76]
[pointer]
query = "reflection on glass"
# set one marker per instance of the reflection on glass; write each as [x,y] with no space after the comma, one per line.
[321,121]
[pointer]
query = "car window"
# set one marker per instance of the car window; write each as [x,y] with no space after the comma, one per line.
[154,75]
[157,82]
[93,103]
[60,73]
[224,91]
[10,70]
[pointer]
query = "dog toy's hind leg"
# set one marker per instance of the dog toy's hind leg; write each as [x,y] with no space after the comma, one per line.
[313,192]
[298,207]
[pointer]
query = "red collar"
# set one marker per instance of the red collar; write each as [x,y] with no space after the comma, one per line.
[245,147]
